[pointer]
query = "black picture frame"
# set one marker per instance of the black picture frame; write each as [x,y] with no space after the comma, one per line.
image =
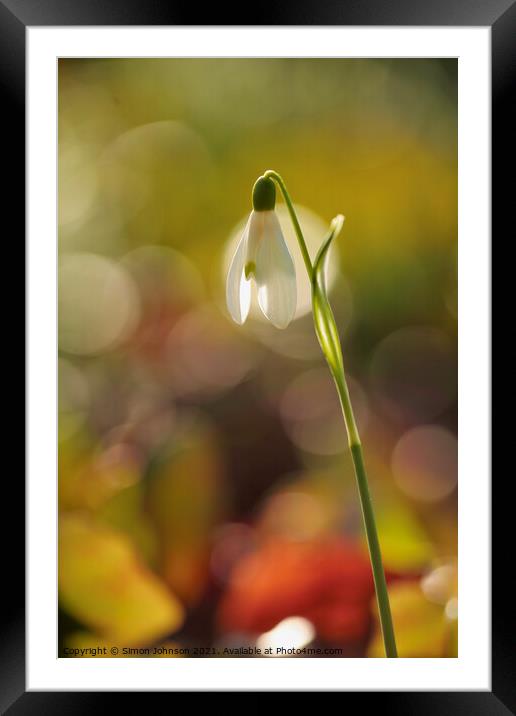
[15,17]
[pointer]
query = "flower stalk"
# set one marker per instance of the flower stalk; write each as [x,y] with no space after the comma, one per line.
[326,330]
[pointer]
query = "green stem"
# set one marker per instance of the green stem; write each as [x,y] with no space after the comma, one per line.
[375,555]
[382,595]
[297,228]
[373,543]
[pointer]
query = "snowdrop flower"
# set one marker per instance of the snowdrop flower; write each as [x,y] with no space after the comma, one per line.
[262,255]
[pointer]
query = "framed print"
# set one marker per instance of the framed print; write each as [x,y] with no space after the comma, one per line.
[258,367]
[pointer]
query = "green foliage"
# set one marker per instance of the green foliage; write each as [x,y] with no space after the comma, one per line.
[324,320]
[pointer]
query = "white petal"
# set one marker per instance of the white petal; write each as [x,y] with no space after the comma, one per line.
[275,274]
[256,226]
[238,289]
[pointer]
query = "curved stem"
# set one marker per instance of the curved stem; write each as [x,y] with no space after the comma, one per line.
[297,228]
[373,543]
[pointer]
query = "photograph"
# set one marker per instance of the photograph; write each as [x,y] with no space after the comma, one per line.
[257,319]
[258,354]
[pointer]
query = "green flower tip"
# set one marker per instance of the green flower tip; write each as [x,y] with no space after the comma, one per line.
[249,269]
[264,194]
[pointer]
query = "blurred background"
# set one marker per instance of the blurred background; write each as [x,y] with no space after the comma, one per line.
[206,492]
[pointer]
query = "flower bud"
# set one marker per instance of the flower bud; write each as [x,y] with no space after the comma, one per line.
[264,194]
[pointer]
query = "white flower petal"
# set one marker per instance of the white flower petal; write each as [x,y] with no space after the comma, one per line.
[256,226]
[275,274]
[245,299]
[238,289]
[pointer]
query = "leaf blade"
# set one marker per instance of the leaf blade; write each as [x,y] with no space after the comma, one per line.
[324,320]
